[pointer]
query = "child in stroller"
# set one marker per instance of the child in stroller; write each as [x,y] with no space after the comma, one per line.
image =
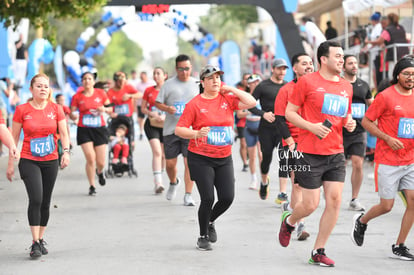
[120,148]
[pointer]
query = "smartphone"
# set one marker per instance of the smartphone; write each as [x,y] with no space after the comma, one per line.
[326,123]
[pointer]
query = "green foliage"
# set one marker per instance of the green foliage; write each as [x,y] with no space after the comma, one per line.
[39,11]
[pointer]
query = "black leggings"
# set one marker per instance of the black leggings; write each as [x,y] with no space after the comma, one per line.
[39,178]
[209,173]
[269,138]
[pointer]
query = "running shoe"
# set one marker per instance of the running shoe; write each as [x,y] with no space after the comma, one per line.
[212,234]
[253,185]
[285,230]
[403,198]
[158,188]
[101,177]
[203,244]
[282,197]
[43,248]
[320,258]
[36,250]
[188,200]
[358,230]
[401,252]
[264,190]
[355,205]
[172,190]
[301,233]
[92,190]
[245,168]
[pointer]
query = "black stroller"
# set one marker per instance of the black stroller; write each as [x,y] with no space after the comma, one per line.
[118,169]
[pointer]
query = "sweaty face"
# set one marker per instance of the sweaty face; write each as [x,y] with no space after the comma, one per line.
[183,70]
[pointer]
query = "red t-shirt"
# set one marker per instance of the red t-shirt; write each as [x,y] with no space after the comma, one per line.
[395,114]
[39,128]
[216,113]
[66,110]
[1,119]
[121,107]
[85,104]
[280,108]
[321,99]
[150,95]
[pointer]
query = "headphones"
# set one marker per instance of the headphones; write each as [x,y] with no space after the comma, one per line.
[118,75]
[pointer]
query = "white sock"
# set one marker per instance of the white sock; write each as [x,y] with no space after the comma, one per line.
[157,177]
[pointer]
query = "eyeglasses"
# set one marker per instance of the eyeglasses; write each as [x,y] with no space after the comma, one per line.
[407,74]
[182,69]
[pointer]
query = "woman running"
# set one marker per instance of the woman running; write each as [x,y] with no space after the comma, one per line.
[92,135]
[153,127]
[208,122]
[40,120]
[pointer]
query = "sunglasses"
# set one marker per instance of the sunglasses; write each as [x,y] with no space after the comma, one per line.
[182,69]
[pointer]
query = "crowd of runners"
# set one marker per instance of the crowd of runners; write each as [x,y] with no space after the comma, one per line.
[316,123]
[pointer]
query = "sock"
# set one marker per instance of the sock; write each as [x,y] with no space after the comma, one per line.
[253,177]
[157,177]
[290,208]
[288,223]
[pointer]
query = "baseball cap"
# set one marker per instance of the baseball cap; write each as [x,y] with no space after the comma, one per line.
[279,62]
[376,16]
[252,78]
[209,70]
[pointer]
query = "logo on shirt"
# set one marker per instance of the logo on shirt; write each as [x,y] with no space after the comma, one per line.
[52,116]
[397,107]
[344,93]
[27,117]
[224,106]
[203,111]
[320,89]
[81,102]
[97,100]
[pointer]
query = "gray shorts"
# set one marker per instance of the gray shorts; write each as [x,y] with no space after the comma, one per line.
[174,145]
[391,179]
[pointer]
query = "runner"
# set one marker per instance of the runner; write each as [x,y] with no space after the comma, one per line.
[355,143]
[172,98]
[210,116]
[302,65]
[241,124]
[92,135]
[322,97]
[40,119]
[141,87]
[269,135]
[153,127]
[394,154]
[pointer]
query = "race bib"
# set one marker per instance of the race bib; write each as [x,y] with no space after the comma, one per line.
[179,106]
[358,110]
[406,128]
[91,121]
[335,105]
[122,109]
[40,147]
[220,135]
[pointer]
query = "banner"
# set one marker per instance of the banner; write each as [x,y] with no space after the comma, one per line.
[230,57]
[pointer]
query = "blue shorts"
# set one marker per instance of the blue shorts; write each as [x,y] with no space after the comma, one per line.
[251,133]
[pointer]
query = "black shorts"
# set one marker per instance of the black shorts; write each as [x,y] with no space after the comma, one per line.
[355,145]
[153,132]
[98,135]
[174,145]
[140,113]
[286,162]
[240,132]
[311,170]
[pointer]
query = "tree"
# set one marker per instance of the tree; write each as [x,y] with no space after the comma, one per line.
[39,11]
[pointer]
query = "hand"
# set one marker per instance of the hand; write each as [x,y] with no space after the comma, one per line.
[65,160]
[394,143]
[14,153]
[269,117]
[94,112]
[320,130]
[10,171]
[171,110]
[113,115]
[101,109]
[225,89]
[203,132]
[125,97]
[350,125]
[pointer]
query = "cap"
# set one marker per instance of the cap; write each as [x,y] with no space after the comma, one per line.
[279,62]
[209,70]
[375,16]
[252,78]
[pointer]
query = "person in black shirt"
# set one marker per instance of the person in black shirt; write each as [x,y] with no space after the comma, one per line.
[330,32]
[355,142]
[269,135]
[20,68]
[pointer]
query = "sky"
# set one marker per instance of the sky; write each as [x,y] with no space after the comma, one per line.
[155,36]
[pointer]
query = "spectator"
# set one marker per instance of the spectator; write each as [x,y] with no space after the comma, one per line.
[330,32]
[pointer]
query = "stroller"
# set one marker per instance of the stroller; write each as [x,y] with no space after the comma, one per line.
[118,169]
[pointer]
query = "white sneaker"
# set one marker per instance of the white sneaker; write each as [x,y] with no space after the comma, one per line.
[188,200]
[158,188]
[253,185]
[172,190]
[355,205]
